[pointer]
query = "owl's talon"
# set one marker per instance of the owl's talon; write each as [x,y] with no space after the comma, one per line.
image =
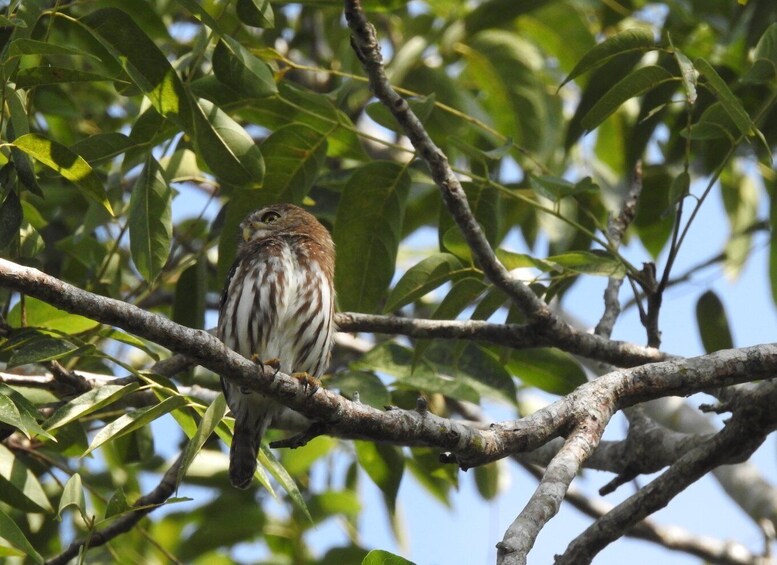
[275,363]
[308,381]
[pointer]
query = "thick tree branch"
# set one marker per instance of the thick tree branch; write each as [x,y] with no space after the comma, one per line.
[618,353]
[743,434]
[616,390]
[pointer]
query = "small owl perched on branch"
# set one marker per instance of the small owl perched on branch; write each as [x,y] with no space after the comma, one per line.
[278,304]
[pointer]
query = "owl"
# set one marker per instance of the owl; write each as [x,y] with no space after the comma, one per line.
[278,307]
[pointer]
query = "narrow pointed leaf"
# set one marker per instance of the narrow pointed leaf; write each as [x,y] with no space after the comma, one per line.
[143,61]
[89,402]
[238,68]
[73,495]
[19,486]
[70,165]
[226,147]
[624,42]
[19,412]
[43,315]
[256,13]
[213,415]
[633,84]
[134,420]
[150,226]
[11,216]
[730,102]
[13,535]
[424,277]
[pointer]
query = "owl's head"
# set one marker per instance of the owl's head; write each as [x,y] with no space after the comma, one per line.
[280,220]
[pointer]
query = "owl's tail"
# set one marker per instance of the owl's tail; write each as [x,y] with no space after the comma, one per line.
[245,447]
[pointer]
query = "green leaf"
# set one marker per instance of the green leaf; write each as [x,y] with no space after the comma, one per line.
[143,61]
[293,156]
[764,67]
[134,420]
[487,480]
[371,389]
[26,46]
[595,262]
[13,535]
[70,165]
[713,324]
[270,462]
[627,41]
[385,465]
[150,226]
[688,73]
[102,146]
[226,147]
[43,315]
[474,367]
[189,298]
[368,228]
[730,102]
[73,495]
[680,188]
[89,402]
[19,486]
[41,348]
[548,369]
[11,216]
[397,361]
[381,557]
[117,504]
[207,425]
[421,106]
[556,188]
[256,13]
[238,68]
[40,76]
[424,277]
[20,413]
[633,84]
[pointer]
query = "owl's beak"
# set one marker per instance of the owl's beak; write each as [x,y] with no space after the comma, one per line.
[247,231]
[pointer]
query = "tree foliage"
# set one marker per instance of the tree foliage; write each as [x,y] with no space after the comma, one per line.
[137,135]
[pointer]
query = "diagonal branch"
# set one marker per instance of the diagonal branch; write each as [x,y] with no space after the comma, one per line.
[143,506]
[365,43]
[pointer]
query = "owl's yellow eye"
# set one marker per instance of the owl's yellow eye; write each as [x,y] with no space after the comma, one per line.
[270,217]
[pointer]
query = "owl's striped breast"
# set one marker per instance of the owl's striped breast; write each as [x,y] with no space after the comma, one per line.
[279,304]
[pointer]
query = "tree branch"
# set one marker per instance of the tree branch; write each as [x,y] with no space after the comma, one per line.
[143,506]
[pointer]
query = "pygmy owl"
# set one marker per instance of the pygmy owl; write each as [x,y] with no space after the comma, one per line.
[278,303]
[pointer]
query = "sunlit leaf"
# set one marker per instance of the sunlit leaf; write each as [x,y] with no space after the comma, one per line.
[70,165]
[73,495]
[134,420]
[548,369]
[382,557]
[293,155]
[89,402]
[19,486]
[385,465]
[11,533]
[424,277]
[40,314]
[208,423]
